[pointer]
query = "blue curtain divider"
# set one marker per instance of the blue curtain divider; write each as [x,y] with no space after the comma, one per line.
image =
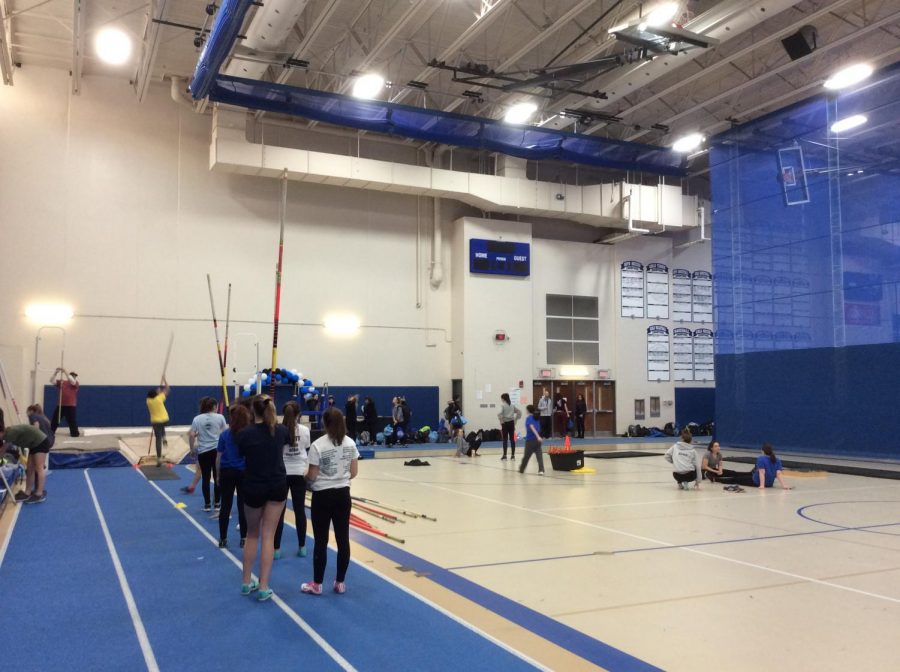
[527,142]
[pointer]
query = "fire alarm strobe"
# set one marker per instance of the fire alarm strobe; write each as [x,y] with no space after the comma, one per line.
[500,336]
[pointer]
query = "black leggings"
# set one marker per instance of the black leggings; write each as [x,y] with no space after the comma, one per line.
[230,481]
[331,507]
[159,431]
[737,477]
[546,426]
[297,486]
[684,476]
[508,430]
[207,462]
[67,413]
[579,426]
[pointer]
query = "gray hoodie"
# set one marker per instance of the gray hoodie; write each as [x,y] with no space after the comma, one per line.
[508,413]
[684,458]
[545,406]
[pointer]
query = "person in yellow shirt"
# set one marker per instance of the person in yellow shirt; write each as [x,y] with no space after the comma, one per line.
[159,417]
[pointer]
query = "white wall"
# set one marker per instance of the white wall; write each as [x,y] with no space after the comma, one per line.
[631,356]
[489,303]
[109,205]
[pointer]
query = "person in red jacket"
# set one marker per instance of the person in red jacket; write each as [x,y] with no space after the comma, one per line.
[67,384]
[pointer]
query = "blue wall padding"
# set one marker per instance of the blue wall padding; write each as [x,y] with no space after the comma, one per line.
[823,400]
[527,142]
[694,404]
[126,405]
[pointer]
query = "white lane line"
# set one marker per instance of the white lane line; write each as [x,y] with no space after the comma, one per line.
[710,499]
[437,607]
[293,615]
[658,542]
[146,649]
[12,526]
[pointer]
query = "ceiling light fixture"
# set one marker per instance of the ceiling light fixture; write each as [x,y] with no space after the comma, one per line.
[852,74]
[848,123]
[688,143]
[663,14]
[113,46]
[519,113]
[368,86]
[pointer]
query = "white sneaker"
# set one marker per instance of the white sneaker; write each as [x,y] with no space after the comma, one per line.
[540,473]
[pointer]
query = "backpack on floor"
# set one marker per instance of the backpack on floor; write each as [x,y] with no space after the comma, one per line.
[669,429]
[364,439]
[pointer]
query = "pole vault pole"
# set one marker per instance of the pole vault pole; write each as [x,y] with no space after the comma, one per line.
[225,352]
[278,286]
[227,325]
[212,306]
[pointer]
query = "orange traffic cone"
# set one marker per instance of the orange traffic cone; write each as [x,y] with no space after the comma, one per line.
[568,444]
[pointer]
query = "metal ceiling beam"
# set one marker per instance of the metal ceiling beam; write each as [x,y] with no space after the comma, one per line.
[533,43]
[712,22]
[7,65]
[733,91]
[77,46]
[310,38]
[149,48]
[424,7]
[726,60]
[481,24]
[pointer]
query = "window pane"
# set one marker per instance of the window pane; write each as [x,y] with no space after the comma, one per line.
[654,407]
[585,306]
[587,353]
[559,329]
[586,330]
[559,353]
[558,304]
[638,409]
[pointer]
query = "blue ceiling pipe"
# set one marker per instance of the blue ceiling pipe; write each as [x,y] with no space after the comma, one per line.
[446,128]
[225,30]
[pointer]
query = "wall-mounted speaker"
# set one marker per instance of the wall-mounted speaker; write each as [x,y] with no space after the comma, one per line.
[802,43]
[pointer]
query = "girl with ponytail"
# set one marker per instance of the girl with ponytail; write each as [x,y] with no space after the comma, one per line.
[296,463]
[264,491]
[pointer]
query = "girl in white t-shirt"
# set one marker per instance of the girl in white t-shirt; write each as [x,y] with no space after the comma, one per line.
[296,463]
[333,461]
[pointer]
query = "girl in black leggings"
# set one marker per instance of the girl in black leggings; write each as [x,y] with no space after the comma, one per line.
[230,467]
[296,462]
[333,462]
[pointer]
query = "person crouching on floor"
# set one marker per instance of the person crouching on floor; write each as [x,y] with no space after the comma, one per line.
[685,463]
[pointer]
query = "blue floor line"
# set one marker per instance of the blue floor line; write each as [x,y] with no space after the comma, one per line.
[572,640]
[57,569]
[375,625]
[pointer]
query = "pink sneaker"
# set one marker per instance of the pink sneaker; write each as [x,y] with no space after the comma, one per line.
[311,587]
[339,587]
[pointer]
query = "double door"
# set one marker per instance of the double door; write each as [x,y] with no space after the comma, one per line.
[599,397]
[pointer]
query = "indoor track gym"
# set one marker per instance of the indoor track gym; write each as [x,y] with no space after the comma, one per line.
[450,335]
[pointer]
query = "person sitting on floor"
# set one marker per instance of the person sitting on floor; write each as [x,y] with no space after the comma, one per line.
[712,464]
[768,469]
[685,463]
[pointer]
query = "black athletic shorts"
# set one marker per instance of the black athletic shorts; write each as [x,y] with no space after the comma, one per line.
[42,447]
[255,495]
